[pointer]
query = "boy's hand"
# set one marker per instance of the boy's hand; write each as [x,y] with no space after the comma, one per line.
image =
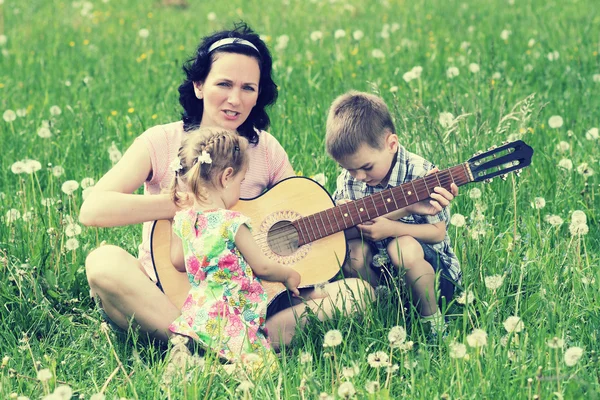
[377,229]
[292,282]
[437,201]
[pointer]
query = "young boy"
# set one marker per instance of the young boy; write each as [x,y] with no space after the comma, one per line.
[362,138]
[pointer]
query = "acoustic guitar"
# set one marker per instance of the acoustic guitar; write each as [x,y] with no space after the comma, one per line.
[297,223]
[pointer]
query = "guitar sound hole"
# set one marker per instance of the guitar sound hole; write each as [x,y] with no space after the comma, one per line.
[283,238]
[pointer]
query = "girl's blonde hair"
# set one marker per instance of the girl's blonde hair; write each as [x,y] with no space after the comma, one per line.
[226,149]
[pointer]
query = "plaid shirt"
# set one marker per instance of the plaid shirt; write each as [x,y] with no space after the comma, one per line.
[408,167]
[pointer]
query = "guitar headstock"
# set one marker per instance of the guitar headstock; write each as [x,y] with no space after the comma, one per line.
[500,160]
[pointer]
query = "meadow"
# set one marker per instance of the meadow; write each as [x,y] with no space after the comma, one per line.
[80,80]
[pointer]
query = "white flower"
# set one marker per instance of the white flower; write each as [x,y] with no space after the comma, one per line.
[565,163]
[372,387]
[114,154]
[44,375]
[305,358]
[32,166]
[466,297]
[72,244]
[397,336]
[553,56]
[351,372]
[555,343]
[553,220]
[358,34]
[414,73]
[596,77]
[458,220]
[505,34]
[585,170]
[555,121]
[87,182]
[493,282]
[539,203]
[3,40]
[175,164]
[563,146]
[18,167]
[378,359]
[12,215]
[452,72]
[55,110]
[496,75]
[144,33]
[579,229]
[58,171]
[477,338]
[393,89]
[531,43]
[592,134]
[316,35]
[340,33]
[346,390]
[474,68]
[465,45]
[332,338]
[475,193]
[377,53]
[44,132]
[72,230]
[211,16]
[578,217]
[21,112]
[446,119]
[282,42]
[67,83]
[320,178]
[69,187]
[9,116]
[457,350]
[513,324]
[528,68]
[64,392]
[572,355]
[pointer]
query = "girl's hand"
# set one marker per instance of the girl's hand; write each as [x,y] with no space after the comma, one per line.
[292,282]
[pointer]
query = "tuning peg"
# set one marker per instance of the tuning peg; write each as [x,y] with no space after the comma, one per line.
[504,177]
[488,180]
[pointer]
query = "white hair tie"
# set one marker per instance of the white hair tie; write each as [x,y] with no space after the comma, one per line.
[231,40]
[204,158]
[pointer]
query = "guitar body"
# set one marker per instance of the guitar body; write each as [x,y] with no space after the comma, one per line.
[293,198]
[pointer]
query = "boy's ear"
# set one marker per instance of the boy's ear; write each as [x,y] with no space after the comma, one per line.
[226,176]
[391,142]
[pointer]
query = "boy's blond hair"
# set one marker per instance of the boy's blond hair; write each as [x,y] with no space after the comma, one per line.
[356,118]
[224,148]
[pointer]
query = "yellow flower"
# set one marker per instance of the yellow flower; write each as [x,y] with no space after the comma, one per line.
[154,116]
[86,42]
[150,15]
[131,110]
[113,113]
[354,51]
[72,43]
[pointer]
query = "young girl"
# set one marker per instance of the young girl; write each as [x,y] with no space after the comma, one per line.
[226,307]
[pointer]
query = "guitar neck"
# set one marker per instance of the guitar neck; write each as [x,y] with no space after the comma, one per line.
[348,215]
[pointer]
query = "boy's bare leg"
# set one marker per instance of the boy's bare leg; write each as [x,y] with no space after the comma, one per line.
[407,252]
[347,296]
[126,292]
[358,264]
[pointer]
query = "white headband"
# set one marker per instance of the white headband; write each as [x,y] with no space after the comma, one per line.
[226,41]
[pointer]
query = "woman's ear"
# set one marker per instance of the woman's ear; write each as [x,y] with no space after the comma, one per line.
[198,90]
[226,177]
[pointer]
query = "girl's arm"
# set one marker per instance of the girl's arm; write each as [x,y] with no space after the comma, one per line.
[262,266]
[177,258]
[112,202]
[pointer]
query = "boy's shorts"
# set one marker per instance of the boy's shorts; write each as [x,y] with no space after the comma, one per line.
[446,284]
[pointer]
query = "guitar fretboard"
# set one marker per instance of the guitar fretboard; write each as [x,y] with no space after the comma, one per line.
[344,216]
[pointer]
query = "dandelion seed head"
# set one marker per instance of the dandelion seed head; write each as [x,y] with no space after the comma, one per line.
[211,16]
[69,187]
[144,33]
[585,170]
[505,34]
[9,116]
[493,282]
[316,35]
[555,122]
[592,134]
[513,324]
[457,350]
[475,193]
[539,203]
[72,244]
[340,33]
[332,338]
[358,34]
[466,297]
[372,387]
[452,72]
[458,220]
[379,359]
[573,355]
[446,119]
[477,338]
[397,336]
[58,171]
[556,343]
[563,146]
[55,111]
[553,220]
[474,68]
[565,164]
[44,375]
[346,390]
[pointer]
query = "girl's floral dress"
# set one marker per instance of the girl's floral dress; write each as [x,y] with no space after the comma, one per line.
[226,307]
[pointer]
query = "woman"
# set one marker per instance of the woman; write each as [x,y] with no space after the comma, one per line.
[228,84]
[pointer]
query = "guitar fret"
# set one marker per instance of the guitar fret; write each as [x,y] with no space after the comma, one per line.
[329,221]
[385,205]
[416,194]
[300,231]
[394,197]
[374,205]
[451,177]
[323,222]
[357,211]
[438,179]
[312,227]
[339,209]
[366,208]
[404,194]
[306,229]
[465,169]
[425,182]
[349,213]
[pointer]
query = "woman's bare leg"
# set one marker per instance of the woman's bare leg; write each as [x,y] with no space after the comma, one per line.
[346,296]
[127,294]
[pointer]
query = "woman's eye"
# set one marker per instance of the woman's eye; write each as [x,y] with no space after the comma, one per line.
[249,88]
[225,84]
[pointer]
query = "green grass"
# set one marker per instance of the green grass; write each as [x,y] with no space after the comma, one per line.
[121,84]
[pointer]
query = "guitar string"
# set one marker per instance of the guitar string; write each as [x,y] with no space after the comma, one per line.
[285,229]
[276,233]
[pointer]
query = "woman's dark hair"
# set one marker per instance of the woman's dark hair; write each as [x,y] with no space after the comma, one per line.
[198,67]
